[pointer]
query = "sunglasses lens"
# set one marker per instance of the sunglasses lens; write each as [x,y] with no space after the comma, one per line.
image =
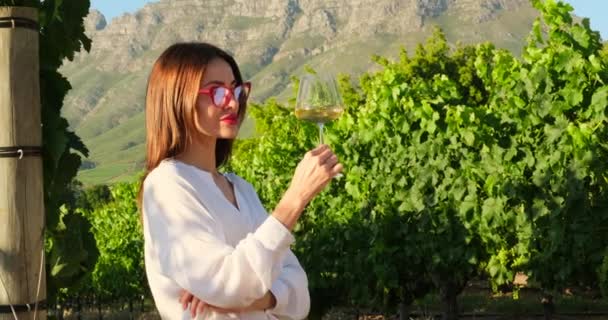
[238,92]
[242,91]
[219,96]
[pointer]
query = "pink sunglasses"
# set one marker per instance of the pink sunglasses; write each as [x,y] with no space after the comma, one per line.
[221,94]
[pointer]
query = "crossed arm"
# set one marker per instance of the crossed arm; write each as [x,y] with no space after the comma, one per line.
[288,297]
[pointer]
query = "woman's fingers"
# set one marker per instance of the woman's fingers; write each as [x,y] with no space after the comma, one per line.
[337,169]
[193,306]
[331,162]
[201,307]
[324,156]
[318,150]
[185,298]
[196,305]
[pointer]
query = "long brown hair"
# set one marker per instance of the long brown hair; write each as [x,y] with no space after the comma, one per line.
[171,96]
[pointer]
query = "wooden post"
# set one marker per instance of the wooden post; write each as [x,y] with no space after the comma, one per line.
[22,274]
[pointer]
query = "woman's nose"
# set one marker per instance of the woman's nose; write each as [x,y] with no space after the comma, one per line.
[233,103]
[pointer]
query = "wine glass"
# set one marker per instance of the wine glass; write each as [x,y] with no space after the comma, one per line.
[319,100]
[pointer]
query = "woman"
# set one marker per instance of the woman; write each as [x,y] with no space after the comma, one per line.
[209,242]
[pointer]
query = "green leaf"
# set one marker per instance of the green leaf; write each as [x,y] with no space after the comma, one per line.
[73,253]
[599,100]
[573,97]
[469,138]
[581,36]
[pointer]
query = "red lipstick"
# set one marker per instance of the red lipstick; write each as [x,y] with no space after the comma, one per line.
[231,119]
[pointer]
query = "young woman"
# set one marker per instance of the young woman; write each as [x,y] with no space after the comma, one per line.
[209,243]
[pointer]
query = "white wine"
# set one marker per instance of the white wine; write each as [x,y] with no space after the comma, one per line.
[319,115]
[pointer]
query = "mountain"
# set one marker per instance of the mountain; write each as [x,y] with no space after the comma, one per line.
[272,40]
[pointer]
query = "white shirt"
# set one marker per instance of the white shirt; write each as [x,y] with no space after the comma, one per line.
[197,240]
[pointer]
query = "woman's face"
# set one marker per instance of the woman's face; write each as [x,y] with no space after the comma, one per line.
[216,120]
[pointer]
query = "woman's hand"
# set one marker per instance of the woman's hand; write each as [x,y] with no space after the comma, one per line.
[314,172]
[197,306]
[312,175]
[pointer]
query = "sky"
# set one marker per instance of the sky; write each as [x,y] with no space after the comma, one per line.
[594,9]
[115,8]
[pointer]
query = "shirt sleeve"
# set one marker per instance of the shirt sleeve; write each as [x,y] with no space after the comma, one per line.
[291,287]
[189,245]
[291,291]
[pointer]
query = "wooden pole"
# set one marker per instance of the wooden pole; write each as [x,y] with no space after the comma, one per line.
[22,275]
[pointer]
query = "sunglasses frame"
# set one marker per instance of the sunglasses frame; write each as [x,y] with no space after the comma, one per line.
[210,91]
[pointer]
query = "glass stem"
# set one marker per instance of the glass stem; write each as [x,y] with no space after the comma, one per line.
[320,124]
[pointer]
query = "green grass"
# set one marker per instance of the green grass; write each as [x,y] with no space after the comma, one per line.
[125,100]
[134,154]
[106,173]
[129,133]
[88,84]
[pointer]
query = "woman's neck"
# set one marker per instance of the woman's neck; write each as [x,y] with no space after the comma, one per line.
[200,154]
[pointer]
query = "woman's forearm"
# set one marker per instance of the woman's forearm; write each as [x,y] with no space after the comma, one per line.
[289,209]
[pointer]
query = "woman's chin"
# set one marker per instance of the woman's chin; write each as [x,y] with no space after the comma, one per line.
[228,134]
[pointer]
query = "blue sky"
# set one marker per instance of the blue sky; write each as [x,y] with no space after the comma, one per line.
[594,9]
[114,8]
